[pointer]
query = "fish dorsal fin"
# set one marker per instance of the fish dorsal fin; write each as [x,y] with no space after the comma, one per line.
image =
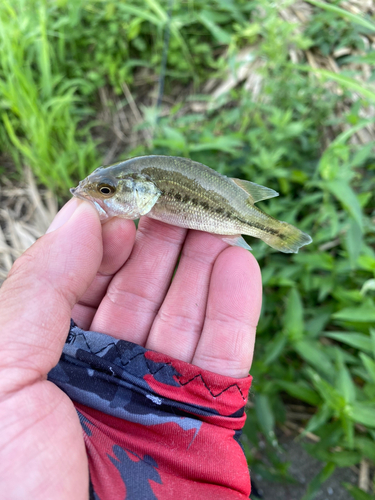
[255,191]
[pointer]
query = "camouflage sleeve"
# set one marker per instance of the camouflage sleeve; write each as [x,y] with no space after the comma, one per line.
[154,427]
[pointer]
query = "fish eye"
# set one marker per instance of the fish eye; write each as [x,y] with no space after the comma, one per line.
[106,189]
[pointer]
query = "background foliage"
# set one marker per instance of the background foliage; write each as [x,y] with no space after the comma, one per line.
[316,342]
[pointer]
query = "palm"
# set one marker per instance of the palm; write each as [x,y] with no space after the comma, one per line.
[206,316]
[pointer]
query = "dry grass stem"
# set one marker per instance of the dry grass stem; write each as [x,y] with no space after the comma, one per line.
[137,114]
[364,475]
[301,430]
[25,215]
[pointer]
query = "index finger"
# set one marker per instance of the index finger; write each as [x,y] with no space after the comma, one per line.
[118,240]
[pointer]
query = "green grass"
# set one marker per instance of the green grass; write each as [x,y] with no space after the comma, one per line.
[316,337]
[40,109]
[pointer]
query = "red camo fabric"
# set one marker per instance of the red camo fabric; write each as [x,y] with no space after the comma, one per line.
[154,427]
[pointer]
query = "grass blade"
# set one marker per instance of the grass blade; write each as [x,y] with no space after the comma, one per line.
[318,480]
[358,494]
[354,18]
[345,81]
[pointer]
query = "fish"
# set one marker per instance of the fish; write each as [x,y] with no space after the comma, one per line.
[185,193]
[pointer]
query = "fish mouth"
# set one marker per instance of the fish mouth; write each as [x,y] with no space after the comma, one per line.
[78,194]
[86,197]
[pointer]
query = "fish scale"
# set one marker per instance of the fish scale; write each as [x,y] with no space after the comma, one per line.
[186,208]
[200,211]
[185,193]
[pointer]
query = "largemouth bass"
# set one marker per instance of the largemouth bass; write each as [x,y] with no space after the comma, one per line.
[188,194]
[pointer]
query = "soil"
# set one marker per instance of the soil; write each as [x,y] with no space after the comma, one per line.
[304,468]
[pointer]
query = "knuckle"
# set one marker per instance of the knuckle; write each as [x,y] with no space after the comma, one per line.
[24,263]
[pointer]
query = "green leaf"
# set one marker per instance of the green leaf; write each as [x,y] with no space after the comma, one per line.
[369,365]
[227,144]
[315,325]
[359,158]
[293,319]
[358,494]
[363,413]
[174,138]
[157,8]
[367,262]
[271,474]
[366,446]
[341,458]
[265,416]
[322,416]
[299,390]
[345,194]
[316,261]
[344,382]
[354,243]
[338,150]
[348,426]
[221,35]
[368,285]
[372,335]
[331,396]
[15,139]
[363,314]
[142,14]
[357,340]
[344,81]
[354,18]
[274,348]
[319,479]
[314,354]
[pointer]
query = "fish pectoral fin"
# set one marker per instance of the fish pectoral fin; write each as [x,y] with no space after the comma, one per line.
[255,191]
[146,195]
[235,241]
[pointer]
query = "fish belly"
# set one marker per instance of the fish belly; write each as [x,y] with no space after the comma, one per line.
[198,219]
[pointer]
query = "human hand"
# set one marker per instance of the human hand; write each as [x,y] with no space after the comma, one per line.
[108,283]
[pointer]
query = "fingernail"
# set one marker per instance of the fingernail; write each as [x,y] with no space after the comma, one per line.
[64,214]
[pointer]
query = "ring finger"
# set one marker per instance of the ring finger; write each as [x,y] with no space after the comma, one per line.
[178,325]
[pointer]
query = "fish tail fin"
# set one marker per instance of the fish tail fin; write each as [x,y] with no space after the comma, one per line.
[287,238]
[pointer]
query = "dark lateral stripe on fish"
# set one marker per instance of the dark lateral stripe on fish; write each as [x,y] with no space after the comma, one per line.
[188,199]
[269,230]
[219,210]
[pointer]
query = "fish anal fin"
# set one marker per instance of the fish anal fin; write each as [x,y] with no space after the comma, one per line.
[256,192]
[235,241]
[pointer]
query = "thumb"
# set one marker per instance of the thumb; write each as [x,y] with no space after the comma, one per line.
[43,286]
